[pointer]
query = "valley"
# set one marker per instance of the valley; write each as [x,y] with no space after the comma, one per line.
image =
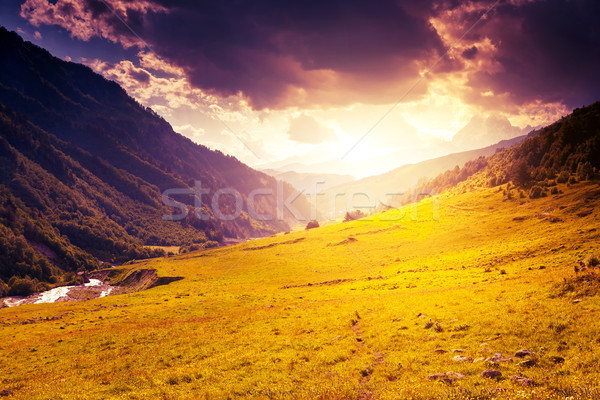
[364,309]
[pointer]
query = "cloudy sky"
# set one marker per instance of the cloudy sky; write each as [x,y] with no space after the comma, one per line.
[276,80]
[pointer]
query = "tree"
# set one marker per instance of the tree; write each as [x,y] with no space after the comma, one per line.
[312,224]
[351,216]
[585,171]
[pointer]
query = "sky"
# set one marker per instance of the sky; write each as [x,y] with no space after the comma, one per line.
[274,82]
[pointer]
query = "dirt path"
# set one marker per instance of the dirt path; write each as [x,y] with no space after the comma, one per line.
[364,393]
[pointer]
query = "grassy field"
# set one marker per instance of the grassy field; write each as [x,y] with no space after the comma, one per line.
[348,311]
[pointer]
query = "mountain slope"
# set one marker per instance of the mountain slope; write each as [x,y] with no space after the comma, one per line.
[381,188]
[86,161]
[565,151]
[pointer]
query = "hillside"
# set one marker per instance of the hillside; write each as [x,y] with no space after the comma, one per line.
[399,180]
[566,151]
[84,166]
[474,293]
[367,309]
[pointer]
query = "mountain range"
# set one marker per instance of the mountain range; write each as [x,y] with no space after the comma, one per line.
[83,169]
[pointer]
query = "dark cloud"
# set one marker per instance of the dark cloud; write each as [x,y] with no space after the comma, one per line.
[470,53]
[141,76]
[549,50]
[270,51]
[267,49]
[279,53]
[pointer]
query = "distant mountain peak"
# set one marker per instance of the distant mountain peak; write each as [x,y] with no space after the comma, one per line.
[483,131]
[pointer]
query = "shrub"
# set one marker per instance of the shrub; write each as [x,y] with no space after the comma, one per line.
[312,224]
[350,216]
[593,262]
[536,192]
[554,190]
[563,177]
[585,171]
[21,287]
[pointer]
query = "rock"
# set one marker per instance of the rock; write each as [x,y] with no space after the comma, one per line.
[440,351]
[527,363]
[455,375]
[497,358]
[577,301]
[557,359]
[6,393]
[461,359]
[479,359]
[522,380]
[458,350]
[439,377]
[523,353]
[491,374]
[448,377]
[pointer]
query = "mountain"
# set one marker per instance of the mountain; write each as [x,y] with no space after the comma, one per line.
[481,132]
[310,183]
[566,151]
[83,169]
[386,187]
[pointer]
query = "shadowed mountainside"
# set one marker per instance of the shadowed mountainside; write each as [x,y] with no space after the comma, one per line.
[83,167]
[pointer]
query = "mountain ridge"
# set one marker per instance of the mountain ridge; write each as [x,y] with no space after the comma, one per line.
[88,165]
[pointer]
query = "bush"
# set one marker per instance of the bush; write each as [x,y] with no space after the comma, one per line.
[3,289]
[536,192]
[312,224]
[563,177]
[21,287]
[593,262]
[572,180]
[585,171]
[351,216]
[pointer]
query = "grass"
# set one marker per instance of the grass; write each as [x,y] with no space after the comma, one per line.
[315,314]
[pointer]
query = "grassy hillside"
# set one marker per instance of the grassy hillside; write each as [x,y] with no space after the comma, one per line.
[361,310]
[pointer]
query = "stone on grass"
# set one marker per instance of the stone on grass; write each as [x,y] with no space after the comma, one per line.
[491,373]
[6,393]
[448,377]
[497,358]
[462,359]
[526,363]
[523,353]
[521,380]
[440,351]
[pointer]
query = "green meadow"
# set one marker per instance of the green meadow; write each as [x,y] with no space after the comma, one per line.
[368,309]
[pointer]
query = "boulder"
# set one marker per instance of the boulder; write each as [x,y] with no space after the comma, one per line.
[461,359]
[497,358]
[526,363]
[523,353]
[522,380]
[448,377]
[491,374]
[6,393]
